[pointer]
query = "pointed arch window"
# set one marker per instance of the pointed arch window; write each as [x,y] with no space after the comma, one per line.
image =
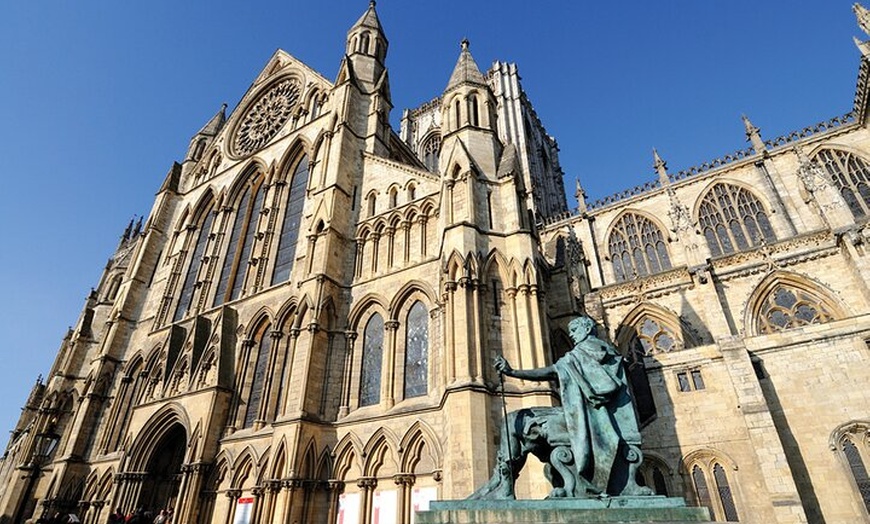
[431,150]
[638,381]
[417,351]
[733,219]
[637,248]
[788,307]
[291,223]
[473,110]
[851,452]
[240,243]
[712,489]
[187,288]
[652,474]
[263,343]
[372,361]
[851,176]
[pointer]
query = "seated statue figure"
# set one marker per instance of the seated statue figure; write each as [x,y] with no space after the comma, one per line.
[591,444]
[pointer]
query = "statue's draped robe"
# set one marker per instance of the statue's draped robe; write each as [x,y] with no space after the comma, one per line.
[591,375]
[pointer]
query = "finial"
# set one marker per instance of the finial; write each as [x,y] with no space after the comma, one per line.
[753,135]
[580,194]
[661,168]
[224,106]
[464,44]
[863,16]
[372,4]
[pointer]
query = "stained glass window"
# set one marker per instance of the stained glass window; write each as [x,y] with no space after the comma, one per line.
[725,498]
[788,307]
[431,149]
[290,225]
[859,471]
[255,396]
[701,491]
[637,248]
[372,360]
[240,244]
[655,337]
[639,382]
[733,219]
[193,268]
[851,176]
[417,351]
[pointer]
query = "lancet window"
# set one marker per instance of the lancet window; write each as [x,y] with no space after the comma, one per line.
[417,351]
[372,362]
[851,176]
[733,219]
[713,491]
[241,242]
[204,229]
[787,307]
[291,223]
[656,337]
[852,444]
[263,345]
[637,248]
[652,475]
[639,382]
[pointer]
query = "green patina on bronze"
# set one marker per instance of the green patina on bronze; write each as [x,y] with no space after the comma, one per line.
[591,444]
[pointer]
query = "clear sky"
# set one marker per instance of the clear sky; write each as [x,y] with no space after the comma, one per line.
[99,98]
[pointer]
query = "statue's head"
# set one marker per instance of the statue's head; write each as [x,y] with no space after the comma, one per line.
[580,327]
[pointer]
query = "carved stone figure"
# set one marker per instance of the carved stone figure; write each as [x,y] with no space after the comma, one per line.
[591,444]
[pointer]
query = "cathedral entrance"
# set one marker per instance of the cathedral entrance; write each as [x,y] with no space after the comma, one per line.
[160,486]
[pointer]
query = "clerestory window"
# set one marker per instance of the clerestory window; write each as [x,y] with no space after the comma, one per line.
[851,176]
[733,219]
[637,248]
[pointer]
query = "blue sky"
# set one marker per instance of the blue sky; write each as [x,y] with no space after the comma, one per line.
[100,97]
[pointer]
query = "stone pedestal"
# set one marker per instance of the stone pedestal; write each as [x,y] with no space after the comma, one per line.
[626,510]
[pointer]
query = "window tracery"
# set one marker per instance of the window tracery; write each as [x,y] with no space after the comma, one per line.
[187,288]
[290,225]
[788,307]
[431,150]
[656,337]
[240,244]
[256,393]
[851,176]
[372,360]
[637,248]
[733,219]
[417,351]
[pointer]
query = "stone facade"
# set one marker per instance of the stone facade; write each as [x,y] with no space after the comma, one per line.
[303,327]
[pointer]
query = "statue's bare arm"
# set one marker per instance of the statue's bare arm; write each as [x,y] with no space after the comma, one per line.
[538,374]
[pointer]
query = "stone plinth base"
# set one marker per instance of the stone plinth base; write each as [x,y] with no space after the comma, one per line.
[639,510]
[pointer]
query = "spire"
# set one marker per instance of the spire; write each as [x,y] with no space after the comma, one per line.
[753,135]
[466,70]
[661,168]
[214,125]
[369,19]
[863,16]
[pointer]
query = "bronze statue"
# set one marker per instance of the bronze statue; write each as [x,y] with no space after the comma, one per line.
[591,444]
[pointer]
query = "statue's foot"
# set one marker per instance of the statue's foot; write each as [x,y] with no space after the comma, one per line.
[499,487]
[558,493]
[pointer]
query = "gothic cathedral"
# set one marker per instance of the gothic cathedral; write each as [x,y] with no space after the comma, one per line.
[303,328]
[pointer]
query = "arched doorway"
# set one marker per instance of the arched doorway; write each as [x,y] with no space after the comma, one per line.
[163,471]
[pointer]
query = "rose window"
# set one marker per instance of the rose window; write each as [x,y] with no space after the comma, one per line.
[262,121]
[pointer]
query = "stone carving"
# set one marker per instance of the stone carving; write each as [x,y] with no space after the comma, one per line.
[262,121]
[591,444]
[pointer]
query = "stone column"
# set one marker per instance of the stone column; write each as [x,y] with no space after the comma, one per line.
[257,509]
[367,486]
[291,486]
[466,324]
[233,497]
[477,333]
[347,374]
[388,388]
[406,248]
[511,294]
[450,333]
[335,488]
[291,357]
[405,481]
[391,245]
[269,408]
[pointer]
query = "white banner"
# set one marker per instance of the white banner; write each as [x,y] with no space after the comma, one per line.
[385,506]
[420,499]
[244,507]
[348,508]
